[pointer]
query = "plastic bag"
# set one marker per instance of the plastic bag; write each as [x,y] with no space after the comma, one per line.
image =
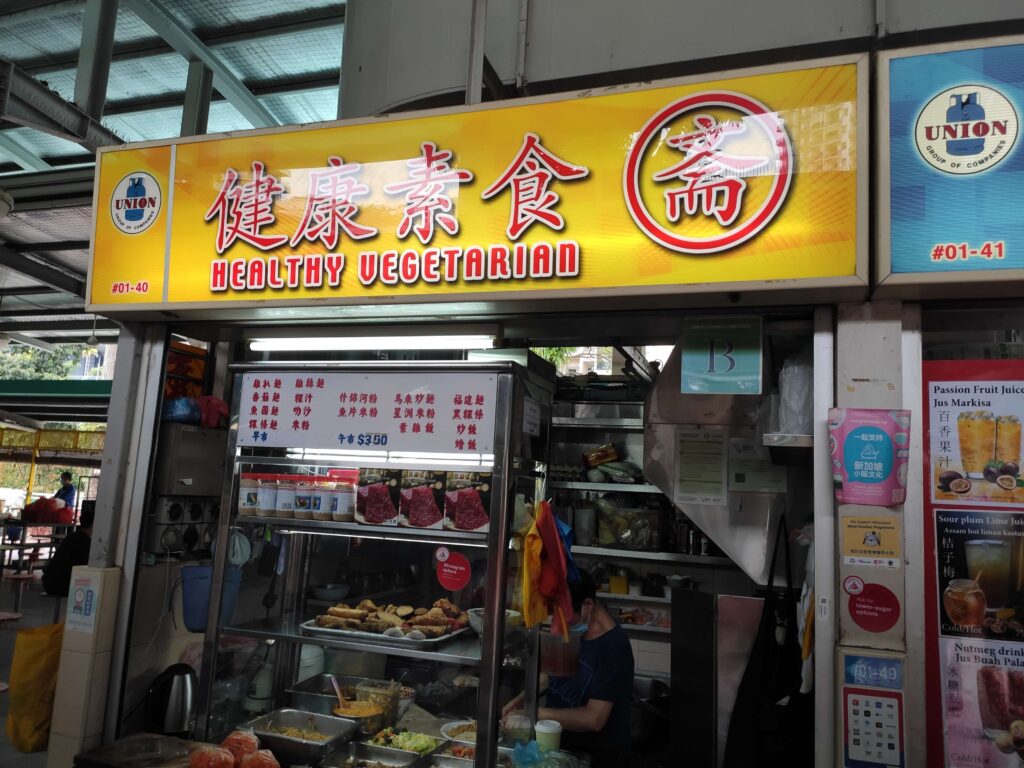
[33,685]
[214,411]
[796,394]
[183,410]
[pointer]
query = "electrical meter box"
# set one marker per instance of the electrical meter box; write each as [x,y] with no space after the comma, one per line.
[189,461]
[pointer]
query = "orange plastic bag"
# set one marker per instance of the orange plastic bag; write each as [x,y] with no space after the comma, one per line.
[33,685]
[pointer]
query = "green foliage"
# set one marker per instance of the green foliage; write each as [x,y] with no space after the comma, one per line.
[15,475]
[21,362]
[557,356]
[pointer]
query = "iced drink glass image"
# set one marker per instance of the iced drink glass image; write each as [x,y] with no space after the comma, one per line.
[977,433]
[1008,439]
[988,561]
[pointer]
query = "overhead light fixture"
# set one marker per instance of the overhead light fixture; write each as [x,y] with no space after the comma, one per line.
[372,343]
[377,339]
[92,341]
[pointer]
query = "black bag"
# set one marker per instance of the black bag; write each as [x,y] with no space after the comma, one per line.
[772,723]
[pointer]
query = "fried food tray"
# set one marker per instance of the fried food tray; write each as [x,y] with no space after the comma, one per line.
[310,628]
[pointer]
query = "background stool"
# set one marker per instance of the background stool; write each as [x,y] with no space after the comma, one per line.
[20,580]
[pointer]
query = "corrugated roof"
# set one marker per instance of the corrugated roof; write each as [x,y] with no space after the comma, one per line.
[287,54]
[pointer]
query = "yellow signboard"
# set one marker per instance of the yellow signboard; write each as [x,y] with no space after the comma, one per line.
[664,189]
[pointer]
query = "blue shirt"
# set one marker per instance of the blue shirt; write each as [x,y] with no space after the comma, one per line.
[66,494]
[605,673]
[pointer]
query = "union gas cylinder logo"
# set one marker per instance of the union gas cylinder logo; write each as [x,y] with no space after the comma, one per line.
[135,203]
[966,129]
[708,172]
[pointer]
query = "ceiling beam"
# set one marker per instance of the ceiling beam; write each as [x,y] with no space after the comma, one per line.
[56,188]
[184,41]
[257,29]
[49,246]
[41,272]
[21,154]
[14,314]
[43,327]
[93,68]
[27,102]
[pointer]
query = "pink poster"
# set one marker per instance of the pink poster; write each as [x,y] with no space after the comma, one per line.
[869,449]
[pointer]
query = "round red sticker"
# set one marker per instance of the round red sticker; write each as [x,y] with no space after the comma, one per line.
[453,570]
[875,609]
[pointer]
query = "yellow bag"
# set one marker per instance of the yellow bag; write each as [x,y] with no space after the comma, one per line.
[33,685]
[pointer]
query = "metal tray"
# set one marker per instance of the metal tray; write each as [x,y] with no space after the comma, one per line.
[438,760]
[316,694]
[289,749]
[357,750]
[310,628]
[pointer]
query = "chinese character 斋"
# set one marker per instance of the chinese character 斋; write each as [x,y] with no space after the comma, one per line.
[329,206]
[710,176]
[528,177]
[426,196]
[242,211]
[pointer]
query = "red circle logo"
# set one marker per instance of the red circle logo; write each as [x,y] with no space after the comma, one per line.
[853,585]
[875,609]
[700,167]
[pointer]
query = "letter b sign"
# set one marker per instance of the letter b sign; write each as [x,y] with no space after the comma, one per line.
[721,356]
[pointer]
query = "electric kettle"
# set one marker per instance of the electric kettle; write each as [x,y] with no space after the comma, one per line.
[171,702]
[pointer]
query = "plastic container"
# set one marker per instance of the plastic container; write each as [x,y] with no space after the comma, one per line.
[559,657]
[304,492]
[325,498]
[585,525]
[618,585]
[268,495]
[518,728]
[344,511]
[285,506]
[385,694]
[248,495]
[195,595]
[549,735]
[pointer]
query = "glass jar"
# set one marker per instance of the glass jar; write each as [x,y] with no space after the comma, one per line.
[964,602]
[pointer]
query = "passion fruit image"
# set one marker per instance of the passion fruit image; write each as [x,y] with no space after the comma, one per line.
[1009,482]
[1010,468]
[948,477]
[961,485]
[992,473]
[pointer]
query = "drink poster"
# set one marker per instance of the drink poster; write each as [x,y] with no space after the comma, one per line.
[974,542]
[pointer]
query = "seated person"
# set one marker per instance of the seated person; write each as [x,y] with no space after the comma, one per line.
[74,550]
[593,706]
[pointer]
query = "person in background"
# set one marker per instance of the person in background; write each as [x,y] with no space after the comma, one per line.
[593,706]
[66,492]
[74,550]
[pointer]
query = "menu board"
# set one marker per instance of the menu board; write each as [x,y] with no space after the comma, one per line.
[440,413]
[974,540]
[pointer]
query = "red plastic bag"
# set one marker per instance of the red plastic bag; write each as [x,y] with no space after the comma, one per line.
[213,410]
[42,511]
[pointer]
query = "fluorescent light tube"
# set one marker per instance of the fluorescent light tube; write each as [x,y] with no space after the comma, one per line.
[371,343]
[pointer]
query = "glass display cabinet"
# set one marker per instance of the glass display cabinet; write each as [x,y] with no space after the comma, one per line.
[376,513]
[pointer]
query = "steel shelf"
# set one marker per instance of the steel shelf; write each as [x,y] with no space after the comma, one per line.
[597,423]
[356,530]
[661,557]
[616,598]
[464,650]
[610,487]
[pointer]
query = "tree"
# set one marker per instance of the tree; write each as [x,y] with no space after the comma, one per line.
[557,356]
[23,362]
